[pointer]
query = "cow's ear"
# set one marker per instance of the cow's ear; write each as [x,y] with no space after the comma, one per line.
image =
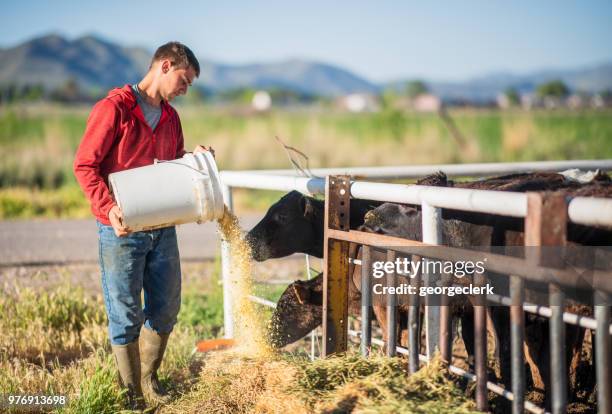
[301,292]
[407,210]
[307,207]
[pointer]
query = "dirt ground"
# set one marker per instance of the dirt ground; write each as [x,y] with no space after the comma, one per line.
[87,275]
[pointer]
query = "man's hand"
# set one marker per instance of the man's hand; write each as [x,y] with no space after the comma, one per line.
[203,148]
[116,218]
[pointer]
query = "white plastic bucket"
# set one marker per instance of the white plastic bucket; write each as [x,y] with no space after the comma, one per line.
[169,192]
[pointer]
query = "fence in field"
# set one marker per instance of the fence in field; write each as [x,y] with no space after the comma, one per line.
[542,216]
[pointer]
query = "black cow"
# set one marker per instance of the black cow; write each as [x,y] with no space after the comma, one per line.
[294,224]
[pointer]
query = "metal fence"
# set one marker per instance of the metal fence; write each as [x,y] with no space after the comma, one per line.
[588,211]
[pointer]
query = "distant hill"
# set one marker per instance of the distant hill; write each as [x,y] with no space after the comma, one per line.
[295,74]
[588,79]
[52,60]
[97,65]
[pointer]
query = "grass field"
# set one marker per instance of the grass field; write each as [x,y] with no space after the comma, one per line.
[37,144]
[71,357]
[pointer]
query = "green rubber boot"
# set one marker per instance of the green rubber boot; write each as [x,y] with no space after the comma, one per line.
[152,347]
[128,364]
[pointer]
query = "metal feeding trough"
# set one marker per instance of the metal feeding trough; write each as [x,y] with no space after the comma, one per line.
[172,192]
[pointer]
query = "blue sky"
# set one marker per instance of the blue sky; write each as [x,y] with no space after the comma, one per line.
[381,40]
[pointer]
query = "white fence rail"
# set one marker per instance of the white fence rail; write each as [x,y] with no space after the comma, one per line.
[583,210]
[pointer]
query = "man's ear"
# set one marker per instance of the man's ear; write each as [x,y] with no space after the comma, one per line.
[308,208]
[166,65]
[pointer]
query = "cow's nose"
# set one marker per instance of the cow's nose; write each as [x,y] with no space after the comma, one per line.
[257,250]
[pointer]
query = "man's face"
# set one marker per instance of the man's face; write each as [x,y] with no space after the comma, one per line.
[175,81]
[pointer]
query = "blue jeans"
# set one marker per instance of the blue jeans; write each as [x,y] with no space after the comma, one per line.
[146,260]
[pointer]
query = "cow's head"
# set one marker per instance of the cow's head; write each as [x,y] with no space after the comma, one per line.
[293,224]
[394,220]
[298,311]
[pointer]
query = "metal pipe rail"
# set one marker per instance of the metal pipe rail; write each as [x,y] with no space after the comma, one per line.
[581,209]
[465,170]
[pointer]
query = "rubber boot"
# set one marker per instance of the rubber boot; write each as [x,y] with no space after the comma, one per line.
[128,364]
[152,347]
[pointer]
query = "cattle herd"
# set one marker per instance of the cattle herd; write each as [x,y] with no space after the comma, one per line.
[296,224]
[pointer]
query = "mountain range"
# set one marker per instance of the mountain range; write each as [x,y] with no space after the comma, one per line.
[97,64]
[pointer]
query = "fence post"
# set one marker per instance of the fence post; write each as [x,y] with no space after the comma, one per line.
[414,333]
[313,333]
[480,346]
[391,309]
[432,234]
[366,300]
[603,351]
[335,270]
[226,268]
[517,337]
[546,226]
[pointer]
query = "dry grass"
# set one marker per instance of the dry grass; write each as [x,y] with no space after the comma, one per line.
[54,342]
[229,382]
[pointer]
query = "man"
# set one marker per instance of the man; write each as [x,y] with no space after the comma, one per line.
[132,127]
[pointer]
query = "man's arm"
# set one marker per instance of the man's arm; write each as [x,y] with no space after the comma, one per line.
[100,134]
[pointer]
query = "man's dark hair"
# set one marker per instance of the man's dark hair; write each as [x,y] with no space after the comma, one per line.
[180,55]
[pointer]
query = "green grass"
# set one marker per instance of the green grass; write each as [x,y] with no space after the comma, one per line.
[26,203]
[54,342]
[37,145]
[202,307]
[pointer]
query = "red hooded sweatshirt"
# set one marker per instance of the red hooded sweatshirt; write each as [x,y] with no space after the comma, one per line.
[117,138]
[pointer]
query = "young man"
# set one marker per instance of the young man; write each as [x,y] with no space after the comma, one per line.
[132,127]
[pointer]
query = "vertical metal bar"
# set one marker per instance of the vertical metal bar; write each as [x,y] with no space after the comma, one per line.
[446,337]
[413,323]
[480,348]
[226,268]
[432,234]
[603,357]
[517,336]
[558,364]
[391,309]
[366,301]
[313,333]
[545,227]
[335,271]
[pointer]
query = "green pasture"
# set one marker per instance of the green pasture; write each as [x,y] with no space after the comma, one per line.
[37,144]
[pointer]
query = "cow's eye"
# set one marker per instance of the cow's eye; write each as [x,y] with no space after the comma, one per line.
[281,217]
